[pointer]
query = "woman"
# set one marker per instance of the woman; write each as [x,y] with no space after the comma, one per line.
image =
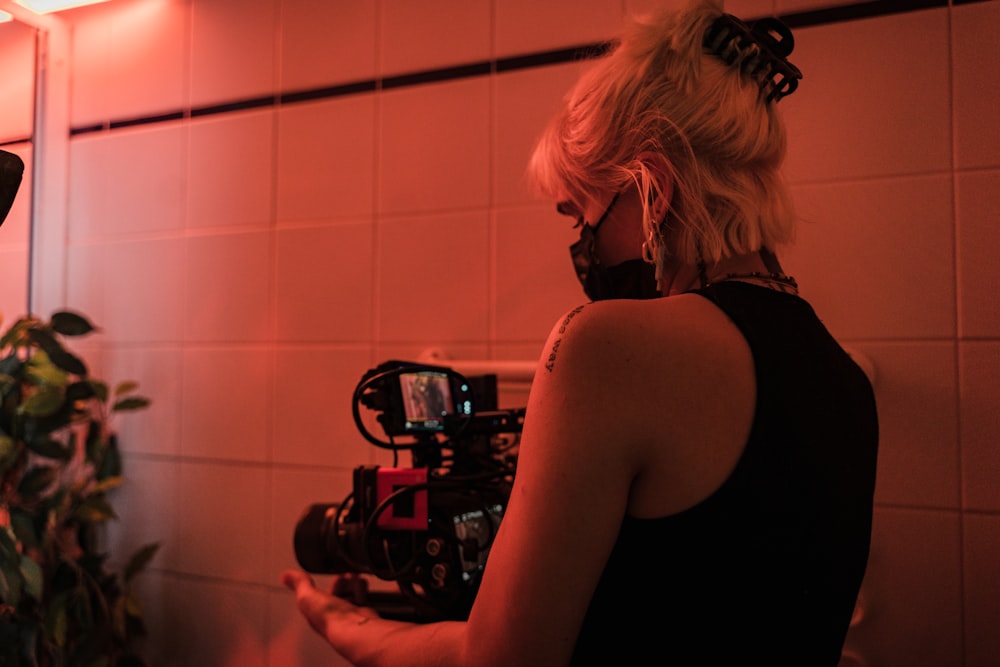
[695,476]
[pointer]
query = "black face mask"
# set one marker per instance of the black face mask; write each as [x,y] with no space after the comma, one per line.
[632,279]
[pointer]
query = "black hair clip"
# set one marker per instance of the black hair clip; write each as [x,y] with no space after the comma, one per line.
[759,50]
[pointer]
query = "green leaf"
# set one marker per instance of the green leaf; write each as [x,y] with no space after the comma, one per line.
[9,554]
[10,367]
[22,522]
[49,449]
[36,480]
[68,362]
[56,619]
[100,389]
[41,370]
[8,451]
[111,462]
[80,391]
[133,605]
[17,330]
[108,483]
[11,584]
[71,324]
[57,353]
[118,618]
[44,402]
[140,559]
[34,580]
[131,403]
[126,387]
[95,509]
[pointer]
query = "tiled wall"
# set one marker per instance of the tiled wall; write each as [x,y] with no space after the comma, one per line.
[247,267]
[17,62]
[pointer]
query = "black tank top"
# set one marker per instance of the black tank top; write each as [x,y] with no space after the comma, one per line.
[767,569]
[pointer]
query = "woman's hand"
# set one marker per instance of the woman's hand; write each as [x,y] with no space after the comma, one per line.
[321,608]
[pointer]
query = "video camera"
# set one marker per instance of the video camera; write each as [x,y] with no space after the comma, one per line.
[427,527]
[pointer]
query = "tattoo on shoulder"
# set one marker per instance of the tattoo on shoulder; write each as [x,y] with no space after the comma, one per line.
[550,363]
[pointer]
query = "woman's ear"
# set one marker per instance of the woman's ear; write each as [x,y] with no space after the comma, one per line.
[660,188]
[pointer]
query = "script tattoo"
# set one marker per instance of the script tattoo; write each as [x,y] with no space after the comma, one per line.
[551,362]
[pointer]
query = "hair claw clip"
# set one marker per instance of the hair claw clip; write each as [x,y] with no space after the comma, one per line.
[760,50]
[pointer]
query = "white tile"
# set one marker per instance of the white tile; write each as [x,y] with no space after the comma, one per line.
[981,533]
[433,34]
[750,9]
[91,62]
[313,423]
[980,423]
[536,283]
[978,199]
[13,284]
[526,100]
[326,159]
[129,60]
[324,283]
[916,395]
[223,525]
[15,244]
[527,26]
[157,428]
[875,258]
[869,103]
[116,283]
[794,6]
[232,53]
[230,175]
[912,600]
[209,623]
[225,403]
[324,43]
[435,146]
[88,187]
[227,294]
[977,84]
[17,87]
[146,504]
[128,182]
[744,9]
[433,278]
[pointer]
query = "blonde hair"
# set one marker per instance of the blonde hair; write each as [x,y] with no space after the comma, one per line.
[658,104]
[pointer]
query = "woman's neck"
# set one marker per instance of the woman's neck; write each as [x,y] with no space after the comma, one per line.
[749,267]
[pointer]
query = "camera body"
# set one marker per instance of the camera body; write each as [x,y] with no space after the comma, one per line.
[427,527]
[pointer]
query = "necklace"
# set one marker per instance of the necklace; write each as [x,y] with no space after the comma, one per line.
[780,280]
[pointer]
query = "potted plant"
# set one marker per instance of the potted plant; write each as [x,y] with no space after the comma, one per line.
[59,460]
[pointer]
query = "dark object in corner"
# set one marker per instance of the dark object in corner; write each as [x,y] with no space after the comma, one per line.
[11,170]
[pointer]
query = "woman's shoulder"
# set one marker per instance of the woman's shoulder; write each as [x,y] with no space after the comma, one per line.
[675,326]
[679,347]
[670,380]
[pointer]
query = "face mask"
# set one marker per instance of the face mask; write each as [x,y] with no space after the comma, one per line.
[632,279]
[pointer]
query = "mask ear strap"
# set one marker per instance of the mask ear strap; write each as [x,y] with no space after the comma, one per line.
[702,266]
[770,260]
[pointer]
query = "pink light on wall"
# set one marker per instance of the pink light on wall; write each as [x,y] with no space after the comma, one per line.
[48,6]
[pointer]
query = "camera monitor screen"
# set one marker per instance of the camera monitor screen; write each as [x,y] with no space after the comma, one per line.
[426,400]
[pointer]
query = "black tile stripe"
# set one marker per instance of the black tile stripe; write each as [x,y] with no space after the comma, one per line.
[554,57]
[859,10]
[436,75]
[329,91]
[240,105]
